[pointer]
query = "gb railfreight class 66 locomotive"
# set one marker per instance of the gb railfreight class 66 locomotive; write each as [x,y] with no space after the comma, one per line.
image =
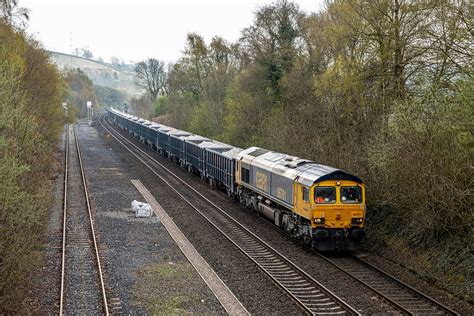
[320,205]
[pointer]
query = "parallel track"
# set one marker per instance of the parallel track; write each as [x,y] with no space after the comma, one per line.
[312,296]
[63,257]
[75,237]
[401,295]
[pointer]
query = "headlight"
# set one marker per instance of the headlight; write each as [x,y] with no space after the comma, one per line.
[356,221]
[319,220]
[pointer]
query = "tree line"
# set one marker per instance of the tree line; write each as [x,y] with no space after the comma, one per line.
[383,89]
[31,119]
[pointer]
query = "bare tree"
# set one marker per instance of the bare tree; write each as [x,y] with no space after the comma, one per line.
[86,53]
[142,107]
[153,77]
[13,14]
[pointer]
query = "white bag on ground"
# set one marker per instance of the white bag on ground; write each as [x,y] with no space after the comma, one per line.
[141,209]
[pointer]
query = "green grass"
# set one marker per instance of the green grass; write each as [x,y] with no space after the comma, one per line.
[173,305]
[164,289]
[170,271]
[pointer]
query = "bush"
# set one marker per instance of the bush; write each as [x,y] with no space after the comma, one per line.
[424,166]
[31,118]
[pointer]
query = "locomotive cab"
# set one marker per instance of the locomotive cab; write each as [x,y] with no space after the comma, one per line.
[333,205]
[338,214]
[338,204]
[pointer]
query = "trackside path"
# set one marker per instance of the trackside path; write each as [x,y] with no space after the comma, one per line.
[228,300]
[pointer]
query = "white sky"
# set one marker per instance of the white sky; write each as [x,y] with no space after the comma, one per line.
[135,30]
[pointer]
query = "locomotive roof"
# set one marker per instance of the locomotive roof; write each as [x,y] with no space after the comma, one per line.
[315,172]
[306,172]
[257,151]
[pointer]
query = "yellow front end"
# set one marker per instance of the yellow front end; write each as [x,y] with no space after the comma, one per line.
[332,204]
[338,204]
[336,211]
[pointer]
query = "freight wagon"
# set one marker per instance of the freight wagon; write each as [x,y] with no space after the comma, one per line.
[320,205]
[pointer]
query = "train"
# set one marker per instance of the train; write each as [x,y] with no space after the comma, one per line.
[322,206]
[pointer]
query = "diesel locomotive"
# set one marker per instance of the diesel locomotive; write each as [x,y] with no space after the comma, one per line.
[320,205]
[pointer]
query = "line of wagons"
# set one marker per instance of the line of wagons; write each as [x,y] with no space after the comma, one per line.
[210,159]
[320,205]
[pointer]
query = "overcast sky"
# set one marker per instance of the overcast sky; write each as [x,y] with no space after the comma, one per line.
[135,30]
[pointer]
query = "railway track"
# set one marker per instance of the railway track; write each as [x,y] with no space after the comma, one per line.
[82,284]
[402,296]
[312,296]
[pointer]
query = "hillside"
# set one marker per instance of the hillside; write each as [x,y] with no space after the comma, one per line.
[101,73]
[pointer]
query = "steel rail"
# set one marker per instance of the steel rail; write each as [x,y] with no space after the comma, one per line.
[407,286]
[273,252]
[63,259]
[388,277]
[94,239]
